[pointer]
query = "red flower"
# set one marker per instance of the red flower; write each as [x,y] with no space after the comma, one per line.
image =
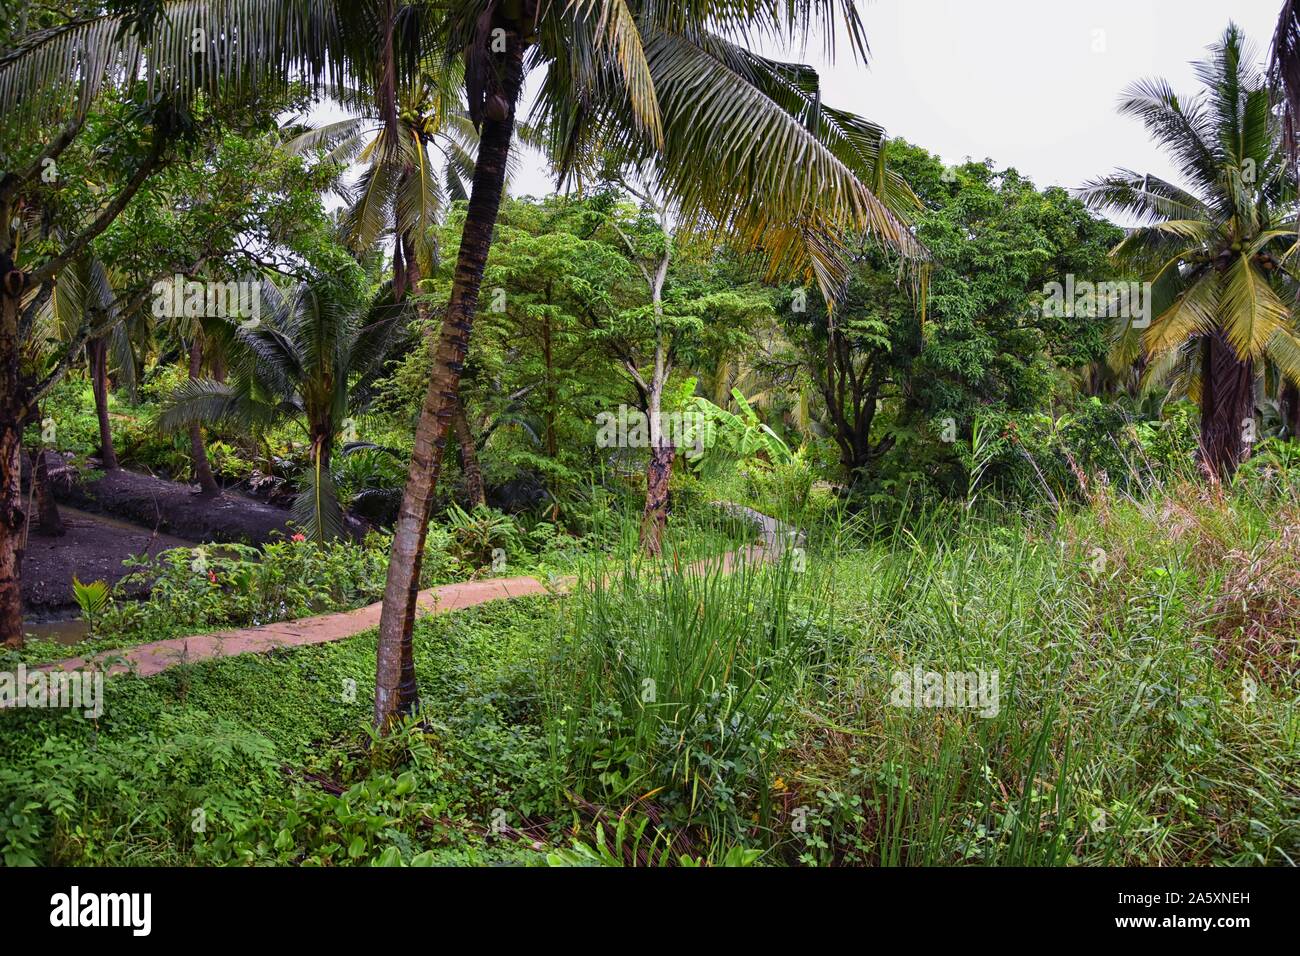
[212,576]
[299,537]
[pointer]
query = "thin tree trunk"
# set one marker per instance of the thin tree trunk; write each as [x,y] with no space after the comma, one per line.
[548,357]
[12,415]
[98,351]
[49,522]
[659,470]
[208,486]
[658,475]
[395,687]
[469,465]
[1290,407]
[1227,390]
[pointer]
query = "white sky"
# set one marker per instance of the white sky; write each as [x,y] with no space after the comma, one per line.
[1031,84]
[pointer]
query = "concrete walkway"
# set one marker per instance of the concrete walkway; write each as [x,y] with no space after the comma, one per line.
[149,659]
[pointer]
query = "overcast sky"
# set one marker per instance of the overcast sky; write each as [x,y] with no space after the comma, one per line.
[1028,83]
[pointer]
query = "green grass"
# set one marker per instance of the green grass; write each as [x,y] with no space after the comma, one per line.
[1146,712]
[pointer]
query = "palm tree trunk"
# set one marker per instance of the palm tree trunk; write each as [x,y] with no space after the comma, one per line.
[98,352]
[1227,392]
[395,686]
[469,465]
[208,486]
[12,415]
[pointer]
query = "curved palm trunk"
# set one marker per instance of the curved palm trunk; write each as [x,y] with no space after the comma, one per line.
[395,686]
[1227,392]
[208,486]
[98,353]
[469,465]
[12,415]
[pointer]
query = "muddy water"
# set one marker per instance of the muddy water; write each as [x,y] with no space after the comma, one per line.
[71,630]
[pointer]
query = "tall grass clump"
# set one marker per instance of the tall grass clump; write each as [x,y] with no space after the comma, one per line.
[1131,726]
[670,687]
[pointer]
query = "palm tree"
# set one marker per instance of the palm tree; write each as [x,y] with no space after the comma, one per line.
[1215,254]
[1284,71]
[740,143]
[84,287]
[312,358]
[402,191]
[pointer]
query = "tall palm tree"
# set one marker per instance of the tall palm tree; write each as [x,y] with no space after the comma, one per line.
[741,143]
[402,191]
[312,359]
[1284,71]
[1218,253]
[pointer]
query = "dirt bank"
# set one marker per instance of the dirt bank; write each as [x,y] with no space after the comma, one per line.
[92,549]
[169,506]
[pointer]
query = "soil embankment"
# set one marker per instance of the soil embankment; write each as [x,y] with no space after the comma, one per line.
[92,549]
[170,507]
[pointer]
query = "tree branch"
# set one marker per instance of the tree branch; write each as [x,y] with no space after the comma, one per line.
[103,220]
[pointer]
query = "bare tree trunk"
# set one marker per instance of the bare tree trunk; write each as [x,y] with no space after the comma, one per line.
[395,687]
[12,415]
[469,465]
[1227,390]
[208,486]
[658,475]
[1290,408]
[98,352]
[659,470]
[48,519]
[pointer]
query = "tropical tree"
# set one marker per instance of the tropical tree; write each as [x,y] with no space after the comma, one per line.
[1217,252]
[1284,72]
[311,358]
[167,63]
[682,315]
[740,142]
[402,191]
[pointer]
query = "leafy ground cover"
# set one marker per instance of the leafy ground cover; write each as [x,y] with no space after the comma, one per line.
[1145,712]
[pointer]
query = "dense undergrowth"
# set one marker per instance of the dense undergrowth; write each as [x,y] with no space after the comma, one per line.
[1145,711]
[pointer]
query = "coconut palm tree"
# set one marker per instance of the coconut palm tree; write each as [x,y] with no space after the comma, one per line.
[312,359]
[1218,253]
[403,191]
[740,143]
[1284,71]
